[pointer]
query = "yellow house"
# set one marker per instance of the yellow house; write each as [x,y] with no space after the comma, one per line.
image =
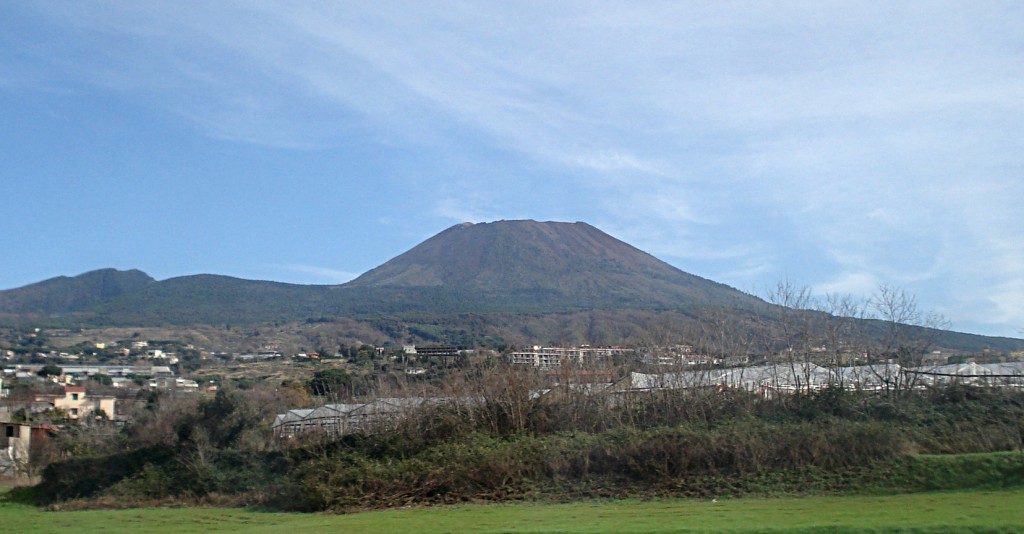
[77,403]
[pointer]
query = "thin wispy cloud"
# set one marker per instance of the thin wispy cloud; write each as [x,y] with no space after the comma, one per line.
[459,211]
[849,284]
[312,274]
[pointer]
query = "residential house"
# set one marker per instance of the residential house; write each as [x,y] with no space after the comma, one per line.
[77,403]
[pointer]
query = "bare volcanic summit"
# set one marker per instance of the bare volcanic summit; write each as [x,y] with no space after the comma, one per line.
[547,265]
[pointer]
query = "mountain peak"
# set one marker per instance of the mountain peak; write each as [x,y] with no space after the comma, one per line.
[574,264]
[68,294]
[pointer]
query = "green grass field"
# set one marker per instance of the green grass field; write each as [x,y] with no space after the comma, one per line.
[998,511]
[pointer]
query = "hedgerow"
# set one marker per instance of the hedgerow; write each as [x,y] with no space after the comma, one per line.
[508,445]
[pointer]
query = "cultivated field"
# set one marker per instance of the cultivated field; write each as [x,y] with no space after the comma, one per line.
[928,512]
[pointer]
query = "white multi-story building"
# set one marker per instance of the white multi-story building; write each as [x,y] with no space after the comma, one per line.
[554,357]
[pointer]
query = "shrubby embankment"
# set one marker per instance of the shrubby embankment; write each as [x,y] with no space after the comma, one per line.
[502,443]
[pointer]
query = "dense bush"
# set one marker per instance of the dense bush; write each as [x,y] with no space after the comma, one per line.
[89,476]
[508,444]
[482,466]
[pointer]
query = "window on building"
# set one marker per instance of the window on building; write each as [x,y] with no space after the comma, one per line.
[74,396]
[74,411]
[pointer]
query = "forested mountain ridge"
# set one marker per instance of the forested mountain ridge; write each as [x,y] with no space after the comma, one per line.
[65,294]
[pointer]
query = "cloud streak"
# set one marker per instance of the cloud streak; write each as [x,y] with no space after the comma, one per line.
[311,274]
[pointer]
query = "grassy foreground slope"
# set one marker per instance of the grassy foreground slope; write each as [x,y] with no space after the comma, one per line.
[927,512]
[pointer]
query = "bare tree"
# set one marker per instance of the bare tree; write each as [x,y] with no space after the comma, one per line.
[839,327]
[792,322]
[907,332]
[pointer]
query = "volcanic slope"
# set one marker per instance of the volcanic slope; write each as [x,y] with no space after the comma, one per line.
[543,267]
[499,267]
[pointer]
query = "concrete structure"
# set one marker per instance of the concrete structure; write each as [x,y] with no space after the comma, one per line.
[113,371]
[19,443]
[555,357]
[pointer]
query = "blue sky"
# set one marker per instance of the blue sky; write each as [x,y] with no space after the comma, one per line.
[839,145]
